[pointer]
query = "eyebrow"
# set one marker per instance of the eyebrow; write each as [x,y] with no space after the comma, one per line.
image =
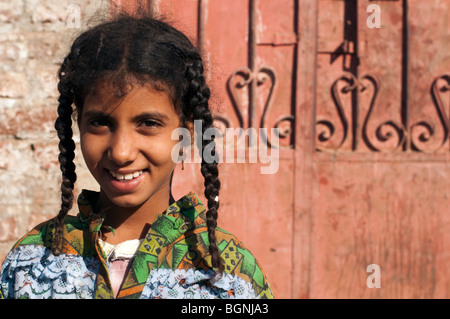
[145,115]
[157,115]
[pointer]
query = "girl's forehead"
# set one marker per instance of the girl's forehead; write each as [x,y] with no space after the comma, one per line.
[106,92]
[129,98]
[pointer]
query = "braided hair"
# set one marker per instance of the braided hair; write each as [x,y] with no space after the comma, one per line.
[150,51]
[66,146]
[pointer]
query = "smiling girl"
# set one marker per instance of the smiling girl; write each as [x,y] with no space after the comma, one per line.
[131,82]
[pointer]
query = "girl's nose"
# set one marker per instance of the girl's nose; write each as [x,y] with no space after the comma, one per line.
[122,149]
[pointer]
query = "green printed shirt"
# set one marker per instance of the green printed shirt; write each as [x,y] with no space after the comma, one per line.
[173,260]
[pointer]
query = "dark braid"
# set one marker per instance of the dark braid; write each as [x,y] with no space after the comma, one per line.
[198,95]
[63,127]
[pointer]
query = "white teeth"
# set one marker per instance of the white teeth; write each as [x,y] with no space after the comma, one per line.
[127,177]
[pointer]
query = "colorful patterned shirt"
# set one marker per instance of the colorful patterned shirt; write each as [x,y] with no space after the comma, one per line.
[172,261]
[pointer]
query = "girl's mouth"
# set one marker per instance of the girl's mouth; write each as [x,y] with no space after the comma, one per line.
[126,177]
[125,182]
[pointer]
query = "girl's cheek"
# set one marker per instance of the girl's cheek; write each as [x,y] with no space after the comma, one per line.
[90,150]
[161,153]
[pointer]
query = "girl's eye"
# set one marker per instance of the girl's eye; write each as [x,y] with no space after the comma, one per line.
[150,123]
[99,122]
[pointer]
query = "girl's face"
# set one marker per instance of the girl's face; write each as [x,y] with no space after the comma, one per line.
[126,143]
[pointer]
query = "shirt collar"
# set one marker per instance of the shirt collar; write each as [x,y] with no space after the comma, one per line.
[185,214]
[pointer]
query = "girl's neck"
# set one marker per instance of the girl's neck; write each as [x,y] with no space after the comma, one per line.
[131,222]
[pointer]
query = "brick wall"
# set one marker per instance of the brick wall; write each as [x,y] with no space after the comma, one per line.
[35,35]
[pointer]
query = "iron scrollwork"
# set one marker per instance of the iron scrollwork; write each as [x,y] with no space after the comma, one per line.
[328,130]
[243,77]
[252,77]
[384,131]
[420,133]
[440,85]
[284,123]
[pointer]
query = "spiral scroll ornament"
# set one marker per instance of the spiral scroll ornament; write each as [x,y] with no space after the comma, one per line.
[384,132]
[426,127]
[244,77]
[325,128]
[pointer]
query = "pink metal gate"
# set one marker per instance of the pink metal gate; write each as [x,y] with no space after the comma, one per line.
[363,116]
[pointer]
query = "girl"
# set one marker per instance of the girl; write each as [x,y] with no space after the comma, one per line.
[132,81]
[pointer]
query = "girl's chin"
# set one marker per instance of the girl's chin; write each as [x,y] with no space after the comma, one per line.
[124,200]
